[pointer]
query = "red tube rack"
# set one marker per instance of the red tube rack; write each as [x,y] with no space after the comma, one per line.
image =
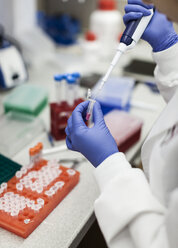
[29,197]
[59,116]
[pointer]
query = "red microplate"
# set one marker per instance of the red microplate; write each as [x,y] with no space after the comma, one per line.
[125,128]
[40,189]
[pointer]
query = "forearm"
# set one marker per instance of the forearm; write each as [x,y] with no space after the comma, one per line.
[166,71]
[124,198]
[172,220]
[148,230]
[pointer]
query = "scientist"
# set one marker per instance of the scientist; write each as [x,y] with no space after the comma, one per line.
[137,209]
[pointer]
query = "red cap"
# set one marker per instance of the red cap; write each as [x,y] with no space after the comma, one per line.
[107,4]
[90,36]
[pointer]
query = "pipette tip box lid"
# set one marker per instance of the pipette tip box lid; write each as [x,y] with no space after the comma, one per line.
[18,129]
[124,127]
[28,98]
[115,94]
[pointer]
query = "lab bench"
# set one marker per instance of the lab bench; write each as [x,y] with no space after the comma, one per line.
[71,219]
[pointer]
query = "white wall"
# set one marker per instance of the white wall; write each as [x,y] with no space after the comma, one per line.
[17,15]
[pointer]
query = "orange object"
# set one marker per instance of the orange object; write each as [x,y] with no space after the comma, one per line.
[30,197]
[32,151]
[40,145]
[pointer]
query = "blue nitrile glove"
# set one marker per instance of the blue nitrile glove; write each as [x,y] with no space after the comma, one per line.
[160,33]
[95,143]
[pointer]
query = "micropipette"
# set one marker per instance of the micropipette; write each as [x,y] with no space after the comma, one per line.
[129,39]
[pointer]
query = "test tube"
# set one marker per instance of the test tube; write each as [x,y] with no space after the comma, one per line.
[71,89]
[60,87]
[19,186]
[77,76]
[27,221]
[71,172]
[40,201]
[32,153]
[40,147]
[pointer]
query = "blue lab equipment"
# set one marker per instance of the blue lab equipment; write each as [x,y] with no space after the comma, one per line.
[63,29]
[115,94]
[12,67]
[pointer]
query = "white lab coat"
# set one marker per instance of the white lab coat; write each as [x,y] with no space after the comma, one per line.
[137,210]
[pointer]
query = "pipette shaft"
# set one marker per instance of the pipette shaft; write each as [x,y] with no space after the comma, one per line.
[129,39]
[117,56]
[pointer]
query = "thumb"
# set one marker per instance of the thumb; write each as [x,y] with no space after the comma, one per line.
[97,113]
[78,113]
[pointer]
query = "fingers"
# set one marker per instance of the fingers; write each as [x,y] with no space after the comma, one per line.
[97,113]
[134,12]
[69,143]
[67,131]
[69,126]
[139,2]
[137,8]
[131,16]
[75,121]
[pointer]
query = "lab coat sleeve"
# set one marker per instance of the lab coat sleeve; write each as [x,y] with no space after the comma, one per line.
[166,71]
[126,202]
[172,220]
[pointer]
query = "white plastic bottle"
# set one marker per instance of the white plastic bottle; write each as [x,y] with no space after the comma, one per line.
[106,22]
[90,47]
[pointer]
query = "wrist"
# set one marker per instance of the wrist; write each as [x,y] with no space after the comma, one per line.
[103,156]
[109,168]
[170,40]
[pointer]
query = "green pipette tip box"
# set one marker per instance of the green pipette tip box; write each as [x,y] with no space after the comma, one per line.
[27,98]
[8,168]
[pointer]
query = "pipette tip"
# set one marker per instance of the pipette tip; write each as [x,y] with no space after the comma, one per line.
[88,115]
[90,109]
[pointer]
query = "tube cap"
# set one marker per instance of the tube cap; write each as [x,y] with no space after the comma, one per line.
[58,77]
[76,75]
[70,80]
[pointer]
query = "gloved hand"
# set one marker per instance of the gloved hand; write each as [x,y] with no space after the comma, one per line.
[159,33]
[95,143]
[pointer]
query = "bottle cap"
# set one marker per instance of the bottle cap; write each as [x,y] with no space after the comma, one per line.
[107,4]
[90,36]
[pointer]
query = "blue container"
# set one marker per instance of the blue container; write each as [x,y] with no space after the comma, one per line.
[115,94]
